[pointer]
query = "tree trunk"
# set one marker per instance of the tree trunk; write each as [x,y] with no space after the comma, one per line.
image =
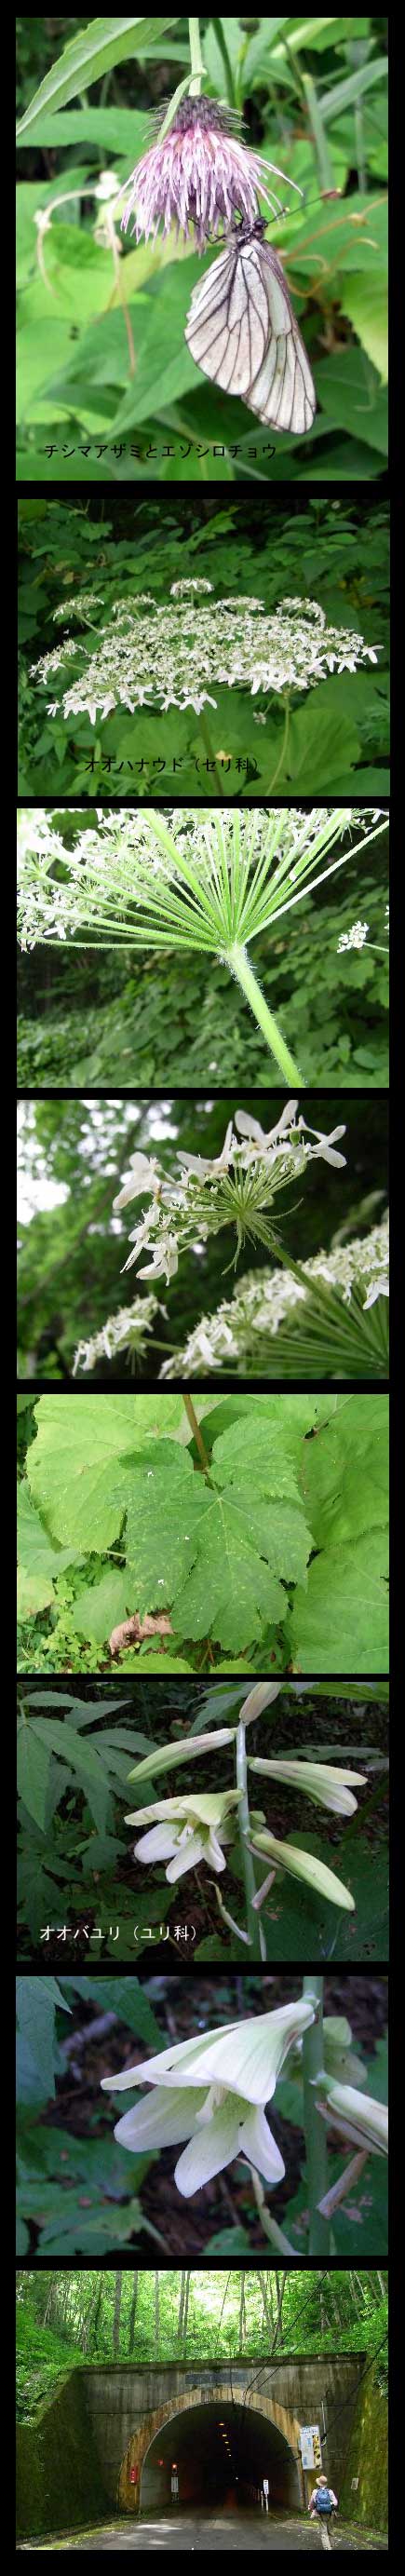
[117,2314]
[132,2313]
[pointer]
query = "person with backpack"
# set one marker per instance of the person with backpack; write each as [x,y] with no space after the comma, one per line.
[322,2504]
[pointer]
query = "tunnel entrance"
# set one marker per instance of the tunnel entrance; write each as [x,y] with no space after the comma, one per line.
[220,2454]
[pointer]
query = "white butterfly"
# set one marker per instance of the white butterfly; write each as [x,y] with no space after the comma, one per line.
[242,331]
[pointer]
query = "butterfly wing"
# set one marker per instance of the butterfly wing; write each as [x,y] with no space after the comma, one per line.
[226,330]
[242,331]
[282,392]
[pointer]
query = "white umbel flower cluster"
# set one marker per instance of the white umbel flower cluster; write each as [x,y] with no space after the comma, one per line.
[127,1331]
[181,651]
[236,1187]
[269,1299]
[189,877]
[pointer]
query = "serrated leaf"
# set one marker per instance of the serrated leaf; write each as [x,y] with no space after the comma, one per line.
[102,1607]
[76,1466]
[342,1619]
[345,1472]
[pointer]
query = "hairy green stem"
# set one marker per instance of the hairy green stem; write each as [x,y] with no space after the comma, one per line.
[254,1928]
[197,66]
[315,2134]
[240,966]
[209,747]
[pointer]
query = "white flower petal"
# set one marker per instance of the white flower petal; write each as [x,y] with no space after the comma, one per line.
[159,2121]
[258,2144]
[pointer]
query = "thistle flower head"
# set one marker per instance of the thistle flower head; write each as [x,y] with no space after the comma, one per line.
[217,2085]
[197,176]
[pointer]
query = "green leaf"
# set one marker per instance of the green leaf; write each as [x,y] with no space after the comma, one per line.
[92,53]
[39,1561]
[364,299]
[342,1619]
[37,2001]
[124,1996]
[75,1464]
[100,1609]
[345,1471]
[33,1766]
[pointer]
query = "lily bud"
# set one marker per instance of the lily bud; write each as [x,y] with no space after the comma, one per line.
[329,1786]
[163,1755]
[258,1699]
[303,1864]
[355,2116]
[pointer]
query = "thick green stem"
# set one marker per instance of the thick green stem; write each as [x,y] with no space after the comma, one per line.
[283,748]
[239,963]
[197,66]
[315,2134]
[209,747]
[253,1927]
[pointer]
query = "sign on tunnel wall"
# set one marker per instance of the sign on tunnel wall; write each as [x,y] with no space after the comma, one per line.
[310,2446]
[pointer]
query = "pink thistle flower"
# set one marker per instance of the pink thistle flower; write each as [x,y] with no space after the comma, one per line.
[199,176]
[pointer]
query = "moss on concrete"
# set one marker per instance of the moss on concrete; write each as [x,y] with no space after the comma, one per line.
[59,2483]
[367,2459]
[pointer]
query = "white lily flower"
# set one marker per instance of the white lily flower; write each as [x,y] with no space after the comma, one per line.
[303,1864]
[357,2116]
[329,1786]
[219,2085]
[186,1830]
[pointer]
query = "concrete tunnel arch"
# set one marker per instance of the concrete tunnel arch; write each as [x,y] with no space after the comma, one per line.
[264,2440]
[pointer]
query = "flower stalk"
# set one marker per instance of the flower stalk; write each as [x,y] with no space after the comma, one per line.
[315,2135]
[254,1928]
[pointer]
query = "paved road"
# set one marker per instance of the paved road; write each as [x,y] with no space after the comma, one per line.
[213,2531]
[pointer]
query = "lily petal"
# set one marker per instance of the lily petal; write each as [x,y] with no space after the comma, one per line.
[159,2121]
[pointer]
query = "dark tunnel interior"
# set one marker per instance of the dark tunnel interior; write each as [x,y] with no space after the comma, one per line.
[222,2452]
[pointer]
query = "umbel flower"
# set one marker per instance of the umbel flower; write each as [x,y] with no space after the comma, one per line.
[184,1831]
[197,176]
[213,2091]
[238,1186]
[240,1335]
[128,1331]
[171,656]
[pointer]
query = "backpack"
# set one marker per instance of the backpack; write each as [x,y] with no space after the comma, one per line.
[323,2501]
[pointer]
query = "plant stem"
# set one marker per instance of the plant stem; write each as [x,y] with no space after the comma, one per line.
[269,2224]
[206,736]
[319,137]
[197,1434]
[282,752]
[315,2135]
[254,1928]
[197,66]
[240,966]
